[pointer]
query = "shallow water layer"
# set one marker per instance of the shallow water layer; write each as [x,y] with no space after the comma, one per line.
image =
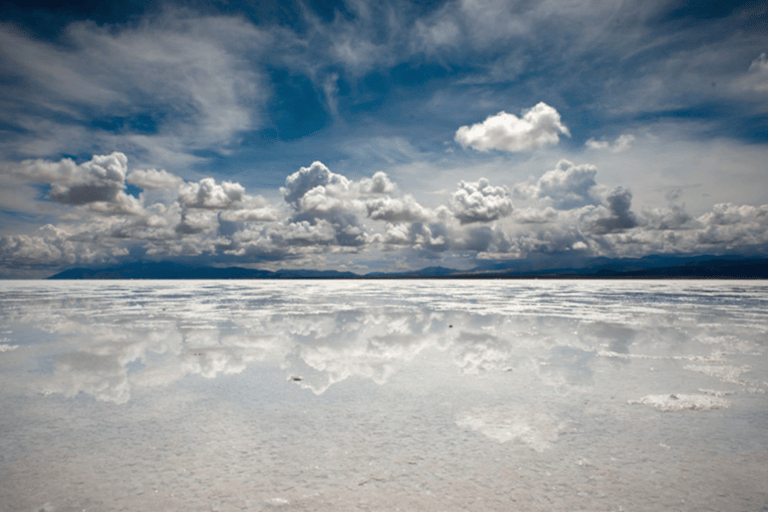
[384,395]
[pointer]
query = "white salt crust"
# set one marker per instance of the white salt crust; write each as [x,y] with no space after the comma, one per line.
[681,402]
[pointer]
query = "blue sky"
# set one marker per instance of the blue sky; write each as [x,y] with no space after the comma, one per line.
[380,135]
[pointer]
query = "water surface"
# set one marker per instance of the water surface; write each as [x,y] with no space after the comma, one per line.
[383,395]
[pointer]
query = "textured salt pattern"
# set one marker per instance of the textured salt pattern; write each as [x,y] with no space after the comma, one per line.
[502,424]
[725,373]
[680,402]
[383,395]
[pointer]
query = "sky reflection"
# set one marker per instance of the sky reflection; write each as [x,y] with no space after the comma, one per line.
[116,339]
[563,377]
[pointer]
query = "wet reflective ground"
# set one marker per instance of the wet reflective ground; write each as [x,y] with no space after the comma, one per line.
[384,395]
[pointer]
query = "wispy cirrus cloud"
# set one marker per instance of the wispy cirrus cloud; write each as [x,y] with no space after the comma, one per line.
[165,86]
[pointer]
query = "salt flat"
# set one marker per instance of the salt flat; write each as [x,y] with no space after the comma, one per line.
[383,395]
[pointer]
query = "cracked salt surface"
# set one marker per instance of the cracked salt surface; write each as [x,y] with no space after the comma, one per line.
[383,395]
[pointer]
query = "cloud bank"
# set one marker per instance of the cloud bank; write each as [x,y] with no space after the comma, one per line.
[326,220]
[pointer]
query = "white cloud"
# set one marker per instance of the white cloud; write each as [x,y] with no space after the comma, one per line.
[192,69]
[673,217]
[208,194]
[535,216]
[304,232]
[757,76]
[250,215]
[99,179]
[730,226]
[731,214]
[621,144]
[480,202]
[24,250]
[152,179]
[97,185]
[597,144]
[568,185]
[319,201]
[307,178]
[398,210]
[328,217]
[378,184]
[431,36]
[51,247]
[537,128]
[197,221]
[397,234]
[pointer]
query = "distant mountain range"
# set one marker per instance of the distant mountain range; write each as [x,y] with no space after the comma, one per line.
[650,267]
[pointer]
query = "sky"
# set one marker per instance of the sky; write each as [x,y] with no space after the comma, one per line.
[380,136]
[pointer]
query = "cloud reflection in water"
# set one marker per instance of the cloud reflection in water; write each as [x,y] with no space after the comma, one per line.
[121,338]
[328,395]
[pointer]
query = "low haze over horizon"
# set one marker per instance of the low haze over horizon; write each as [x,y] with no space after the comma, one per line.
[380,136]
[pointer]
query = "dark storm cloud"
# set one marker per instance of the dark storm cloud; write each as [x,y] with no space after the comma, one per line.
[620,218]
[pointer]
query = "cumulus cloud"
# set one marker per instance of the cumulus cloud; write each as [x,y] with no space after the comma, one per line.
[729,225]
[51,247]
[673,217]
[568,185]
[622,143]
[317,194]
[535,216]
[307,178]
[122,204]
[208,194]
[728,214]
[480,202]
[263,214]
[152,179]
[97,185]
[193,222]
[397,210]
[320,201]
[620,216]
[305,233]
[25,250]
[99,179]
[327,216]
[430,237]
[539,126]
[378,184]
